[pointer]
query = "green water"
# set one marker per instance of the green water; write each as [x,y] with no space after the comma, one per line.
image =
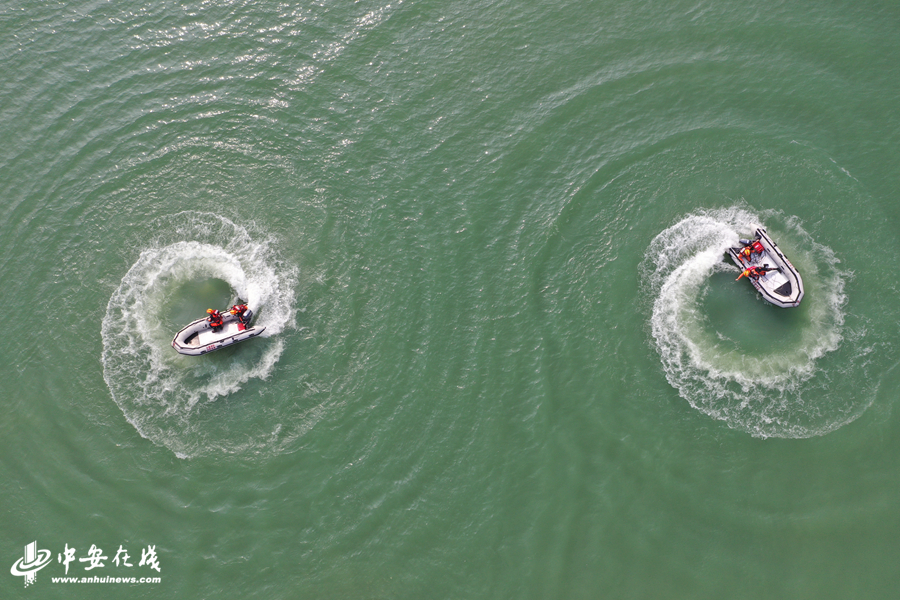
[503,356]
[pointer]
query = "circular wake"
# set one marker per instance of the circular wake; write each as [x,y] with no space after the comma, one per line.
[197,260]
[731,355]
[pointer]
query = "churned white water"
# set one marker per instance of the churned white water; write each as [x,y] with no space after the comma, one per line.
[770,381]
[163,393]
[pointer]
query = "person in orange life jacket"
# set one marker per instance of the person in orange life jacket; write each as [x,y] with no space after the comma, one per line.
[755,272]
[214,318]
[754,247]
[239,310]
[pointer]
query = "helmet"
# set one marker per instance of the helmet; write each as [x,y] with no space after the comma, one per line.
[209,311]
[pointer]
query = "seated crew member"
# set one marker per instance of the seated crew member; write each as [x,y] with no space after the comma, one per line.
[214,318]
[754,247]
[239,310]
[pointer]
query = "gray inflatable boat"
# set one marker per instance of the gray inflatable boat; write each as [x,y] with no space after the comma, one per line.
[782,285]
[199,338]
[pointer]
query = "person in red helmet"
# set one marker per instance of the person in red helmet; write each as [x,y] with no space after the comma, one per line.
[214,318]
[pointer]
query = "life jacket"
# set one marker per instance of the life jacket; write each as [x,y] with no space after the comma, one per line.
[240,310]
[215,318]
[755,272]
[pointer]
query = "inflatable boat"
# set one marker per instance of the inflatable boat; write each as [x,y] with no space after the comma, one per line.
[199,338]
[781,285]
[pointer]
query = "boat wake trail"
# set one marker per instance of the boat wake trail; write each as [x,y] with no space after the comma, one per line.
[193,261]
[757,367]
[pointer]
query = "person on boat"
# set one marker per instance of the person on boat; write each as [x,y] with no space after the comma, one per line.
[214,318]
[755,272]
[239,310]
[747,252]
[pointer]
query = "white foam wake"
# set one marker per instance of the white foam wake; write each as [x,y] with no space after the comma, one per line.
[773,389]
[161,392]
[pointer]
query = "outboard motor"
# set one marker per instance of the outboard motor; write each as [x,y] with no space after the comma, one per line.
[247,316]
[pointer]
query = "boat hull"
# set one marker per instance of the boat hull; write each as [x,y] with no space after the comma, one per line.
[198,338]
[782,287]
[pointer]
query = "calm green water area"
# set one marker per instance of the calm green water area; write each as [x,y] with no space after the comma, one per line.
[504,355]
